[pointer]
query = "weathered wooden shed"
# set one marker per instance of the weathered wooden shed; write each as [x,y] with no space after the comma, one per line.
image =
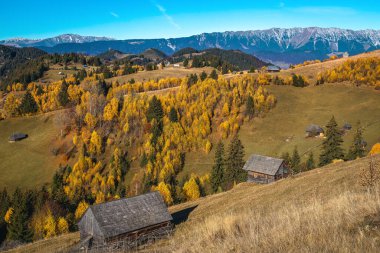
[126,219]
[265,169]
[17,137]
[314,130]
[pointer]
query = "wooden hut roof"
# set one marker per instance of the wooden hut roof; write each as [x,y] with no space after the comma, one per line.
[17,136]
[263,164]
[314,129]
[130,214]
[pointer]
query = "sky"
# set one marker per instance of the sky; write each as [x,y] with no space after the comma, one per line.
[127,19]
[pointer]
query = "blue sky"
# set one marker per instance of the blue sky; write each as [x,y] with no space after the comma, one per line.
[126,19]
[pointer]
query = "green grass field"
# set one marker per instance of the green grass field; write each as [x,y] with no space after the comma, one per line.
[283,128]
[27,163]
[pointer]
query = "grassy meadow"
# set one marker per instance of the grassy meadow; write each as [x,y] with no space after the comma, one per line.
[27,163]
[283,127]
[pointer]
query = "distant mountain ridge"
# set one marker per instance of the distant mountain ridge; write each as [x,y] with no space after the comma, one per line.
[276,45]
[51,42]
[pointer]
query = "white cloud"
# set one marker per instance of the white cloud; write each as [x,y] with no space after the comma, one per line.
[166,15]
[115,15]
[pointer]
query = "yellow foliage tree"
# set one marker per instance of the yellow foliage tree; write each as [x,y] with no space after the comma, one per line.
[81,209]
[111,110]
[62,226]
[95,145]
[375,149]
[50,226]
[191,189]
[8,215]
[164,189]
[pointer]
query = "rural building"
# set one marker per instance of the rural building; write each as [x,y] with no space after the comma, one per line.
[125,220]
[345,55]
[176,65]
[273,68]
[17,137]
[314,130]
[347,127]
[264,169]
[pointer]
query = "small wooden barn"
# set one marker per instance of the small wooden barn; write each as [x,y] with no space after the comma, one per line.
[17,137]
[265,169]
[125,220]
[273,68]
[314,130]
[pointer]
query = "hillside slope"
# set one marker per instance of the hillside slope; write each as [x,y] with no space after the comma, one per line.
[323,210]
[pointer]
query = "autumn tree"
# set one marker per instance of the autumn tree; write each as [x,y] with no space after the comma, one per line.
[95,145]
[165,191]
[234,163]
[357,149]
[81,209]
[50,226]
[375,149]
[4,207]
[191,189]
[331,147]
[218,168]
[62,226]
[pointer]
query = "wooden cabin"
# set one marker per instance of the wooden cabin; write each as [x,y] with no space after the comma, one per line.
[264,169]
[124,220]
[273,68]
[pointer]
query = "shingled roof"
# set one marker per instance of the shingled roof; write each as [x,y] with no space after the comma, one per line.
[263,164]
[130,214]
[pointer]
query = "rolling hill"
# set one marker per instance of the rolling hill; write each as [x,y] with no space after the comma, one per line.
[324,210]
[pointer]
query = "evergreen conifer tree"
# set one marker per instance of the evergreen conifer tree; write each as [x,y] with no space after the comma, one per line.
[310,164]
[63,96]
[203,76]
[250,107]
[28,104]
[214,75]
[218,168]
[18,229]
[234,164]
[173,117]
[331,147]
[296,161]
[357,148]
[4,206]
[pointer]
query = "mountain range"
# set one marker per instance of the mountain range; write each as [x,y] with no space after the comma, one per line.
[277,45]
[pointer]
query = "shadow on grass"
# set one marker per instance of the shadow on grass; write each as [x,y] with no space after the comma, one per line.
[183,215]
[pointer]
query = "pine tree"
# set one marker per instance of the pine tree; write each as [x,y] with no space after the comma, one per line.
[331,147]
[296,161]
[155,110]
[173,116]
[18,229]
[63,96]
[186,63]
[234,164]
[214,75]
[310,164]
[357,148]
[203,76]
[28,104]
[218,168]
[250,107]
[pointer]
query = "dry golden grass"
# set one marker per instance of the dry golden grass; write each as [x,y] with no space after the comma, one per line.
[323,210]
[56,244]
[158,74]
